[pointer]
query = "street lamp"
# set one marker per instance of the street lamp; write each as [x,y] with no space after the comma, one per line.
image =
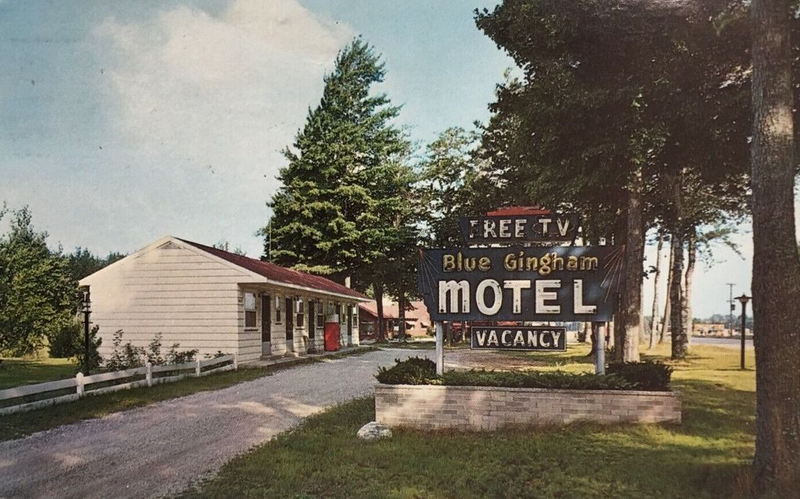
[86,309]
[743,300]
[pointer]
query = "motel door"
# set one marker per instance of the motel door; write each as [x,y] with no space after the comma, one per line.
[266,324]
[312,327]
[290,324]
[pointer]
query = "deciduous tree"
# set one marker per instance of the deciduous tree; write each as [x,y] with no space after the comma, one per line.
[776,264]
[36,291]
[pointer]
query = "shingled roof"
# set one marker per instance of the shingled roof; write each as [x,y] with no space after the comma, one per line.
[280,274]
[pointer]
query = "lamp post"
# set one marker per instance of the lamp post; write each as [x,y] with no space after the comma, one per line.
[86,308]
[743,300]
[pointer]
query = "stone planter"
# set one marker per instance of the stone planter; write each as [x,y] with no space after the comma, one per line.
[431,407]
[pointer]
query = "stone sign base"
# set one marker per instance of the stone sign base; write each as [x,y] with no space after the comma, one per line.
[433,407]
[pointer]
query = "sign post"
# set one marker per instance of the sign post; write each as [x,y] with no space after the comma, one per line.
[600,348]
[439,348]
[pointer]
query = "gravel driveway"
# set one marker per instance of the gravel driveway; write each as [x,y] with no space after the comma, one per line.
[164,447]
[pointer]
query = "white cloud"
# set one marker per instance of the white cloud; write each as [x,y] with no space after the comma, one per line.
[204,103]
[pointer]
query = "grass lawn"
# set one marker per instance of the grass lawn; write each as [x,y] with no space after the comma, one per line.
[17,372]
[21,424]
[706,456]
[421,345]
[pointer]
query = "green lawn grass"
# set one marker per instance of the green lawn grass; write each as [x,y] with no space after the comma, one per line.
[17,372]
[95,406]
[705,456]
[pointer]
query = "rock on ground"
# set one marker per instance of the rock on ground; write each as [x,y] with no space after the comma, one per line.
[374,431]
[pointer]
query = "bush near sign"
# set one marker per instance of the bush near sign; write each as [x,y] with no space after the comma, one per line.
[528,338]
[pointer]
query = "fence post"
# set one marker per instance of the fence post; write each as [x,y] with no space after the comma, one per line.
[235,362]
[148,373]
[197,368]
[79,384]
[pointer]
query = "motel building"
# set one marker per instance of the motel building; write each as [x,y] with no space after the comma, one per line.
[214,301]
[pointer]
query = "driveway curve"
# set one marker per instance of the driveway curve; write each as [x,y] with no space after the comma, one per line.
[164,447]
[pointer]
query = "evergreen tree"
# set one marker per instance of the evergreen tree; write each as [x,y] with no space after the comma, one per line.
[341,174]
[83,262]
[445,186]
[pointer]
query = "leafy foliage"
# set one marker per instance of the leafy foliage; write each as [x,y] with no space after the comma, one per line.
[534,379]
[344,185]
[83,262]
[412,371]
[643,375]
[128,356]
[65,341]
[36,290]
[445,185]
[92,361]
[628,376]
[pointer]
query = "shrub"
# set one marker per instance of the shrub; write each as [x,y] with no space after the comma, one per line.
[175,356]
[646,375]
[128,356]
[412,371]
[153,352]
[65,342]
[532,379]
[630,376]
[124,356]
[93,360]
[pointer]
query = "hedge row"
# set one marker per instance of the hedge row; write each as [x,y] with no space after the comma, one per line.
[653,376]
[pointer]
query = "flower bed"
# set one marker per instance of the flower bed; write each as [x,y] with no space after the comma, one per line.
[411,395]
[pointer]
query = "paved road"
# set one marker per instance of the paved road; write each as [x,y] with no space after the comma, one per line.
[722,342]
[162,448]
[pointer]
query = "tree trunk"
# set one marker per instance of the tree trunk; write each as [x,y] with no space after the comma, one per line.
[665,317]
[586,332]
[687,282]
[776,265]
[627,344]
[378,291]
[592,338]
[677,326]
[654,320]
[401,312]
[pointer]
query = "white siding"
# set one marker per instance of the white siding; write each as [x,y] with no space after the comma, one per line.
[189,298]
[196,300]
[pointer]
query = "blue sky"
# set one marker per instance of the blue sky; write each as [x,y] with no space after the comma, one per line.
[126,121]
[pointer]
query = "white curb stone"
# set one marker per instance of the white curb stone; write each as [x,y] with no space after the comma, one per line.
[374,431]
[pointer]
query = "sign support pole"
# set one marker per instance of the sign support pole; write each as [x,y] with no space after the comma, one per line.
[600,348]
[439,348]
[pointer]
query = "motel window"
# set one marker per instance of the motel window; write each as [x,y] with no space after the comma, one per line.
[277,309]
[249,310]
[320,314]
[300,304]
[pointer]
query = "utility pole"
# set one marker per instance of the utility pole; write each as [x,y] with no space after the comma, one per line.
[731,307]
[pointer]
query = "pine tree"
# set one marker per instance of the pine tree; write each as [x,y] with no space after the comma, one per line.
[341,174]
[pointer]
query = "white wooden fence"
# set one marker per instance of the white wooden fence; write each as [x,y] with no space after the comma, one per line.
[83,385]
